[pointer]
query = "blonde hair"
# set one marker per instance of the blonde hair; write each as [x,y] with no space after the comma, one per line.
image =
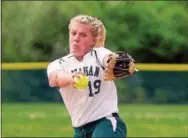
[98,29]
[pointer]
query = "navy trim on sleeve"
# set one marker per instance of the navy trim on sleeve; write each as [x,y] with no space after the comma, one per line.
[98,59]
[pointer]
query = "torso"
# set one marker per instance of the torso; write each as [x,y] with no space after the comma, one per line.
[94,102]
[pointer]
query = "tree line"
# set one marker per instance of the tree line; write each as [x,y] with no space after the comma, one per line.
[152,32]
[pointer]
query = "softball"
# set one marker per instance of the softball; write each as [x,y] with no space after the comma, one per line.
[82,82]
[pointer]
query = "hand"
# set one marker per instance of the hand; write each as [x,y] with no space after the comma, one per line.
[78,76]
[118,65]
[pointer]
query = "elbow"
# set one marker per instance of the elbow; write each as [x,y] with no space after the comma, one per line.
[52,81]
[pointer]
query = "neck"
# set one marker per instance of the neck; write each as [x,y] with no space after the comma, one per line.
[80,58]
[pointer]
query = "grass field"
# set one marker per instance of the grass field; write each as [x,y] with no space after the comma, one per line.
[50,120]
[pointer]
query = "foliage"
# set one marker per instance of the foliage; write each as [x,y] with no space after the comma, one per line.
[150,31]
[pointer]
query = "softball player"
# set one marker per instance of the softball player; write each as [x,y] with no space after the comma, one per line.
[94,110]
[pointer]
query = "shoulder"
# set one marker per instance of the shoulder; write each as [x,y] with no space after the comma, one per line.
[66,58]
[102,50]
[60,60]
[100,53]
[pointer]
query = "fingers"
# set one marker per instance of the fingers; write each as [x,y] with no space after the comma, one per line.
[76,77]
[78,74]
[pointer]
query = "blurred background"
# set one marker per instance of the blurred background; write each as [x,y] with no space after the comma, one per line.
[153,102]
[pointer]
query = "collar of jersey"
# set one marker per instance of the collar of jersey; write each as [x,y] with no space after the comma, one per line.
[90,52]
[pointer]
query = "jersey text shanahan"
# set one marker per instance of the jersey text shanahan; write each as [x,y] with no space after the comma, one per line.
[90,104]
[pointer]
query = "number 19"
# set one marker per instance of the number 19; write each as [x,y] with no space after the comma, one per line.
[96,85]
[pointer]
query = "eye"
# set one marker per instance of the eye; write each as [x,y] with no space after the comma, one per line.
[83,35]
[73,33]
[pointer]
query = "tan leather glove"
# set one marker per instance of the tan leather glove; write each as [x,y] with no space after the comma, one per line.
[119,65]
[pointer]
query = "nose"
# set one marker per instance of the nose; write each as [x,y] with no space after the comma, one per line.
[76,38]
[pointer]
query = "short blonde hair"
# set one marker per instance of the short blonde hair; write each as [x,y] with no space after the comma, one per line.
[97,28]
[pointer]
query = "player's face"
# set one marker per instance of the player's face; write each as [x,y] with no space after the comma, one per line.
[81,40]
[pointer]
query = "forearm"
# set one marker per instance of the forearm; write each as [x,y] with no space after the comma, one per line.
[60,79]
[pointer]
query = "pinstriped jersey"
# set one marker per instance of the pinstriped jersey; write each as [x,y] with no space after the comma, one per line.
[96,101]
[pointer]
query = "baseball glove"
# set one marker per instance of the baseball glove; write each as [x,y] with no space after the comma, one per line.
[118,65]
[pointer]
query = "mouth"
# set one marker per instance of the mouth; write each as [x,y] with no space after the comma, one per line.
[74,46]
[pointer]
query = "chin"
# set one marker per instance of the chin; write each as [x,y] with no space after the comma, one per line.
[76,54]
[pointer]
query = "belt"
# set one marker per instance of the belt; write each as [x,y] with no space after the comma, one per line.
[115,114]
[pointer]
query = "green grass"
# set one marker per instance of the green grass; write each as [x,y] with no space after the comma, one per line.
[50,120]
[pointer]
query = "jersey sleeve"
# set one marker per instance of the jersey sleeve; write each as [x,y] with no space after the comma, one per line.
[101,53]
[55,65]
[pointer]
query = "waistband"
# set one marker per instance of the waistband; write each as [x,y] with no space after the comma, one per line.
[116,115]
[113,114]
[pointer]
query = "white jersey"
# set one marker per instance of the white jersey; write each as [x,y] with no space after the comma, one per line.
[96,101]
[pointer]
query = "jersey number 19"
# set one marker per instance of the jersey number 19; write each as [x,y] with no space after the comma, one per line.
[94,88]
